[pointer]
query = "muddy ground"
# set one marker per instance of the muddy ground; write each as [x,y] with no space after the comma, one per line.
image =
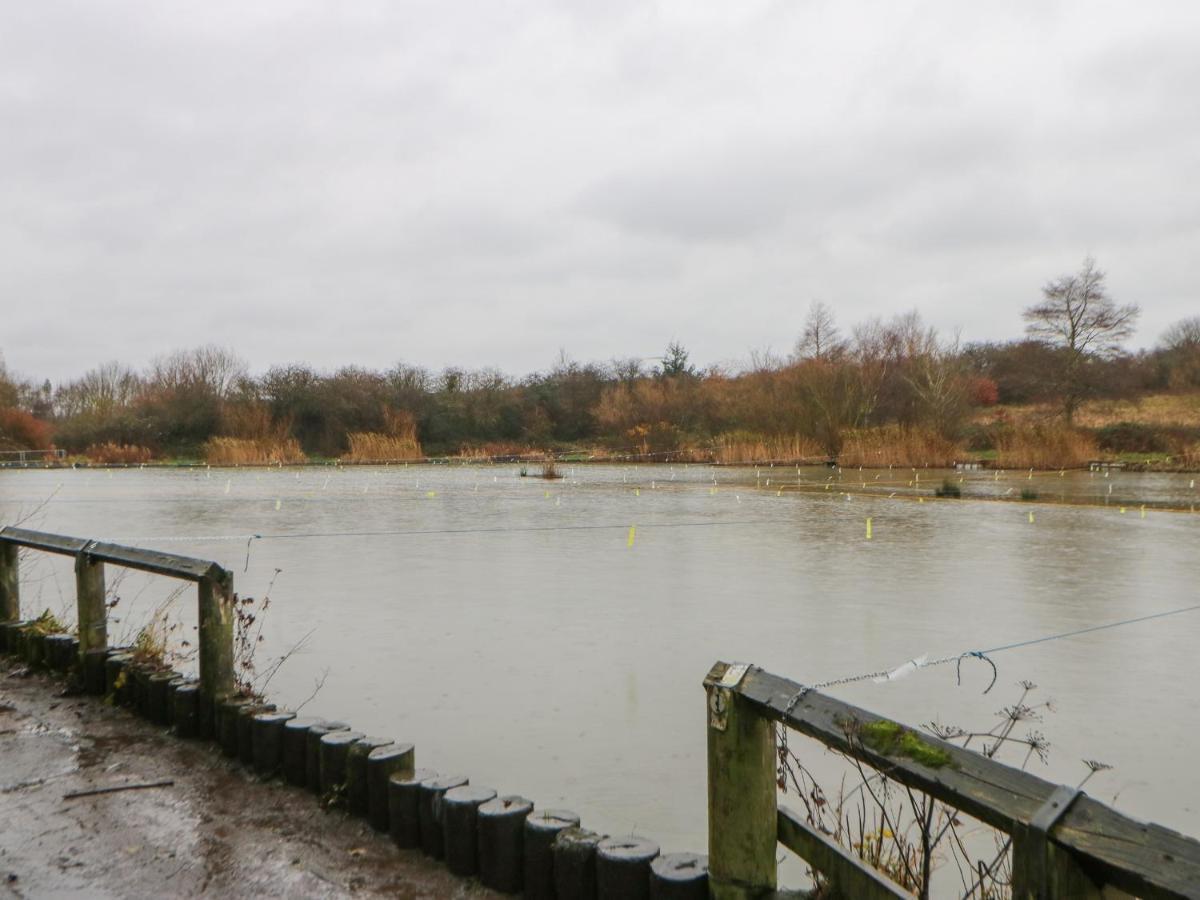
[217,831]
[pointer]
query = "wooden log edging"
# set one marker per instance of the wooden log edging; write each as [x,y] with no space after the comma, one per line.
[501,841]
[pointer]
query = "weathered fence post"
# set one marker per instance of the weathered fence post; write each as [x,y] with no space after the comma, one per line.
[10,581]
[91,609]
[216,634]
[1040,870]
[742,810]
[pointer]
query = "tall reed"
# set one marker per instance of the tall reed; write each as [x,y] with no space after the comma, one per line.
[230,451]
[372,446]
[893,445]
[1047,445]
[740,447]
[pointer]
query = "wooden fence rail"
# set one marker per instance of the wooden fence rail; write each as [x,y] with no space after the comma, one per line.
[1065,844]
[214,594]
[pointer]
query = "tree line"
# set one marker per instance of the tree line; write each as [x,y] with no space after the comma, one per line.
[836,382]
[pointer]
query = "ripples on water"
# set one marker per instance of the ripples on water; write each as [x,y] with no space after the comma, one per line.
[542,655]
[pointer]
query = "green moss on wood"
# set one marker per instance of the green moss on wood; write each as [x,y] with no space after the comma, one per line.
[892,739]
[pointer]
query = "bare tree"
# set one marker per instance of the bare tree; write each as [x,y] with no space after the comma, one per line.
[1180,349]
[102,392]
[210,370]
[1078,317]
[820,338]
[1184,334]
[8,387]
[626,370]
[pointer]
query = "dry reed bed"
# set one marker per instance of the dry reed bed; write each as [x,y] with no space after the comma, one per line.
[891,445]
[371,446]
[1046,446]
[110,453]
[742,448]
[231,451]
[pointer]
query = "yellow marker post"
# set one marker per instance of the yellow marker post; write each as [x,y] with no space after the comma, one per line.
[278,504]
[868,528]
[637,492]
[1143,510]
[632,533]
[1031,518]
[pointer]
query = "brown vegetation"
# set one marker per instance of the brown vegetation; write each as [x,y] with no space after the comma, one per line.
[1048,445]
[370,446]
[496,450]
[892,445]
[884,393]
[20,430]
[738,447]
[1162,409]
[229,451]
[118,454]
[399,442]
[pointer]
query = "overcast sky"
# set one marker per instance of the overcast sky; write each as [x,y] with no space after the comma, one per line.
[484,184]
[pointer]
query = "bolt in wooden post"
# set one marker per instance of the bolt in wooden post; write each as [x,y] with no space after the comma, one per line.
[741,791]
[89,600]
[216,635]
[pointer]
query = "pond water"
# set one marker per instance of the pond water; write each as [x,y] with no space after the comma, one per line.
[517,630]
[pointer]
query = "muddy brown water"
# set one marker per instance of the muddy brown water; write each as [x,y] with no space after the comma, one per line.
[508,627]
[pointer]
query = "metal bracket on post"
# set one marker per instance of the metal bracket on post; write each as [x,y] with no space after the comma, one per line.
[1043,822]
[719,691]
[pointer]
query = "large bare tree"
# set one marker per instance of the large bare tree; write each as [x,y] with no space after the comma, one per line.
[820,338]
[1079,318]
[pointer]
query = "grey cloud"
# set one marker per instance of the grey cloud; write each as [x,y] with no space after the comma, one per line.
[483,185]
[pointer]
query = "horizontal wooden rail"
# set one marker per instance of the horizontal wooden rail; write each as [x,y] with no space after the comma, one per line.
[1108,847]
[159,563]
[40,540]
[853,877]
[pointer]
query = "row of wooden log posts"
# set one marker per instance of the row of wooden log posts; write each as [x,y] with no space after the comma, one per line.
[504,841]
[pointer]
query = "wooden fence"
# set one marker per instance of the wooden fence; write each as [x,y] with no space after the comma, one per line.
[1064,843]
[214,594]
